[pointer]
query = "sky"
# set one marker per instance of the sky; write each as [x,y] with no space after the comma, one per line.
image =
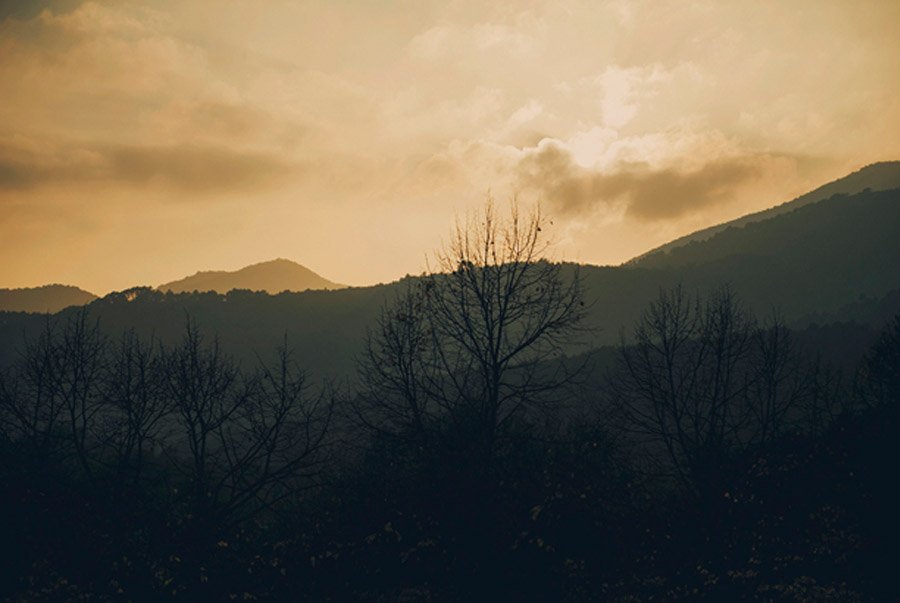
[143,141]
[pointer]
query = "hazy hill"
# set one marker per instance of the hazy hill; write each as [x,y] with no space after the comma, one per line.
[48,298]
[877,177]
[832,261]
[828,262]
[274,276]
[828,244]
[325,327]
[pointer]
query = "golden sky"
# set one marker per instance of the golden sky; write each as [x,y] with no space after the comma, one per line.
[141,141]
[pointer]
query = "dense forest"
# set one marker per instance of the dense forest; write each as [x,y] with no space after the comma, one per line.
[714,453]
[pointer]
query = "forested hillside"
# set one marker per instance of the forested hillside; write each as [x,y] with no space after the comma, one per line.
[817,261]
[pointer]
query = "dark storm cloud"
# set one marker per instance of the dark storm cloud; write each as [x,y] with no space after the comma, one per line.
[648,194]
[194,169]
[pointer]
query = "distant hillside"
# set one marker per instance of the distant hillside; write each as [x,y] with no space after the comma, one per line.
[816,259]
[877,177]
[272,277]
[832,261]
[852,238]
[48,298]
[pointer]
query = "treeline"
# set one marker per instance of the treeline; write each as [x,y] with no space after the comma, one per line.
[97,433]
[717,460]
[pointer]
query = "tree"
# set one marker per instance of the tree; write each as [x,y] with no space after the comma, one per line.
[136,407]
[251,439]
[80,366]
[703,380]
[474,343]
[880,373]
[276,444]
[32,408]
[51,402]
[397,370]
[203,386]
[784,391]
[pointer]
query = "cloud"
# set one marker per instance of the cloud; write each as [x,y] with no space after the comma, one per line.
[655,195]
[91,18]
[647,193]
[195,169]
[657,119]
[622,92]
[216,123]
[521,37]
[679,175]
[623,88]
[26,164]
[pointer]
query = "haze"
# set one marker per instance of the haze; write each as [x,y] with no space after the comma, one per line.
[143,141]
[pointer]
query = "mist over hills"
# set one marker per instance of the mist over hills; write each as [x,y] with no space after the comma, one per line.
[831,260]
[273,277]
[107,435]
[47,298]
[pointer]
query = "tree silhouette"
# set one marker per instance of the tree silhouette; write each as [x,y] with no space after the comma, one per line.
[79,372]
[276,444]
[473,343]
[32,408]
[251,439]
[704,381]
[881,368]
[136,407]
[397,370]
[204,388]
[53,399]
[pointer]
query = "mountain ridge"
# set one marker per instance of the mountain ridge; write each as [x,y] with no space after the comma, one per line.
[271,276]
[879,176]
[727,251]
[820,261]
[50,298]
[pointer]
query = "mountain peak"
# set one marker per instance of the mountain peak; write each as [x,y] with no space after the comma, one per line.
[271,276]
[46,298]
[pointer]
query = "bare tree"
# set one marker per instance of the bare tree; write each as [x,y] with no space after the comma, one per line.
[32,406]
[52,404]
[475,343]
[81,357]
[10,394]
[397,369]
[275,445]
[251,440]
[782,388]
[879,379]
[136,406]
[203,386]
[703,381]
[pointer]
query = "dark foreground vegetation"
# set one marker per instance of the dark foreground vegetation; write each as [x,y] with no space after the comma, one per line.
[718,460]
